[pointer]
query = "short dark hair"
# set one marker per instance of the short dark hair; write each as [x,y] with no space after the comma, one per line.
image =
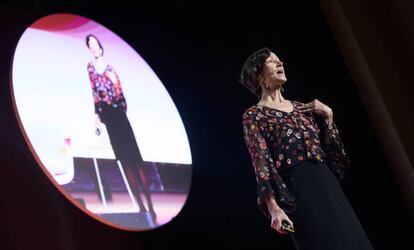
[251,70]
[88,37]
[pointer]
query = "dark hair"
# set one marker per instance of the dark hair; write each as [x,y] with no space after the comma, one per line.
[251,70]
[88,37]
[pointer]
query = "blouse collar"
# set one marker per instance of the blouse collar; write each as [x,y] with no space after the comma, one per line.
[294,104]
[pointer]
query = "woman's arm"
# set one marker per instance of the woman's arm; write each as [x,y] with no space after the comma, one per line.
[332,144]
[265,170]
[334,149]
[119,95]
[277,214]
[113,76]
[95,94]
[261,160]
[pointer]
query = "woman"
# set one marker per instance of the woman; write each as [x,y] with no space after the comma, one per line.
[297,173]
[110,109]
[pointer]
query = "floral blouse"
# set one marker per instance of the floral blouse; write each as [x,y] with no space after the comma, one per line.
[277,140]
[104,90]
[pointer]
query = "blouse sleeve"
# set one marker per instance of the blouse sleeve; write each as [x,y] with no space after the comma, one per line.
[118,89]
[94,90]
[334,149]
[269,183]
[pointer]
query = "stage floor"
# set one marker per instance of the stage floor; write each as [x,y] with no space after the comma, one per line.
[166,205]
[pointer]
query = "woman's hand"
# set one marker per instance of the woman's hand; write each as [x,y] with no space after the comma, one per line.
[318,108]
[278,215]
[97,125]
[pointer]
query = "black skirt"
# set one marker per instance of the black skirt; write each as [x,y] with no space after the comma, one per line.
[324,218]
[121,135]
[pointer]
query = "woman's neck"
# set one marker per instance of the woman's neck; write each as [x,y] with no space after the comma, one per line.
[272,97]
[99,64]
[99,59]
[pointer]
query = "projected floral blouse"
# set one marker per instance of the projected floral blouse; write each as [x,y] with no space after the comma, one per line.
[277,140]
[106,87]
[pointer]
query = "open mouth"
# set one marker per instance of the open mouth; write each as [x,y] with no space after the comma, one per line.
[280,71]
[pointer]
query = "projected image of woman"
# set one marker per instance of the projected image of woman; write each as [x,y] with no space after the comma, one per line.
[298,161]
[110,109]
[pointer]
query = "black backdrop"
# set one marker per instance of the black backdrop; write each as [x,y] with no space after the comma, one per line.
[197,50]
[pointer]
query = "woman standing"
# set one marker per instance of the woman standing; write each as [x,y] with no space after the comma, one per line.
[296,172]
[110,109]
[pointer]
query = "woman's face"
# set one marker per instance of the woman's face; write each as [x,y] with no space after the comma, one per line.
[273,73]
[94,46]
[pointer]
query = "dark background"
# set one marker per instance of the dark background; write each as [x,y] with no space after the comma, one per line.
[197,50]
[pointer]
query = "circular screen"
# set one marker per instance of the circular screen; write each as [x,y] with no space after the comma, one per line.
[100,123]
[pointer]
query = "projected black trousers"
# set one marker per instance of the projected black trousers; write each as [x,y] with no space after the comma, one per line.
[121,135]
[126,151]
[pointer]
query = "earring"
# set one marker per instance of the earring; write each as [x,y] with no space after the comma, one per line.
[282,89]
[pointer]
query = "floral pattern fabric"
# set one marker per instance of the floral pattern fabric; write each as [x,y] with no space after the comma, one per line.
[277,140]
[106,88]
